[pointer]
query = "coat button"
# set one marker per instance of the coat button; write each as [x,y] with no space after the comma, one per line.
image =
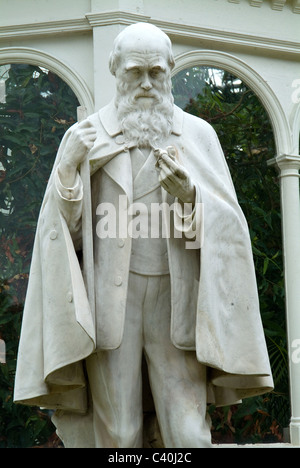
[70,194]
[120,140]
[53,234]
[121,243]
[70,297]
[118,280]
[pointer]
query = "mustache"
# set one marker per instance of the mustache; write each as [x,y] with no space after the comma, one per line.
[131,96]
[127,102]
[146,95]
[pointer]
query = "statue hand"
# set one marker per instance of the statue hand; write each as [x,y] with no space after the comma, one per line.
[173,177]
[81,141]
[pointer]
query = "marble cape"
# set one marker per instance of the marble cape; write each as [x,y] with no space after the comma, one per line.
[58,330]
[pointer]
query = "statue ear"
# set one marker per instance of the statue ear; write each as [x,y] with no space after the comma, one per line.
[171,62]
[112,63]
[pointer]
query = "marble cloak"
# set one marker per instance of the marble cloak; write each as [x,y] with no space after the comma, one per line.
[58,329]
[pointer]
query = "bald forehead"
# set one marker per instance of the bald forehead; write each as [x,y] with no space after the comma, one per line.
[139,39]
[143,38]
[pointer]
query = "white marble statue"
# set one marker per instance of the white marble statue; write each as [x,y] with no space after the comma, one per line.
[179,293]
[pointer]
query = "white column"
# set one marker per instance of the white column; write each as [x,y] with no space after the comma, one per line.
[108,18]
[104,82]
[289,166]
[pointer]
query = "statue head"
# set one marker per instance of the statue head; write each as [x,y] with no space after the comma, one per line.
[141,61]
[143,38]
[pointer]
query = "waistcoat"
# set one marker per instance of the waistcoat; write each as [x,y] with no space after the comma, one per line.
[149,249]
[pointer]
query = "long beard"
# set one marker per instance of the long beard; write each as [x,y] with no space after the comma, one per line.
[145,126]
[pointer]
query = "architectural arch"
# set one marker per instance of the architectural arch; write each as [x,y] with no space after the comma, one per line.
[39,58]
[242,70]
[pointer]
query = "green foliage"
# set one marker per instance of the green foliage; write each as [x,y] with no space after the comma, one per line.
[38,110]
[246,136]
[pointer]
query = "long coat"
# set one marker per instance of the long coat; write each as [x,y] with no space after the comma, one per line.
[215,308]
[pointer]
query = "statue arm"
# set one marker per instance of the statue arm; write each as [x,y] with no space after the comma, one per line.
[68,186]
[176,180]
[69,200]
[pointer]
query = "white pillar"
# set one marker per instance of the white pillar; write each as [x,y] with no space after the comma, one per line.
[108,18]
[289,166]
[104,82]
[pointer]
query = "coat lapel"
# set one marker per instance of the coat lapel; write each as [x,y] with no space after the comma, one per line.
[111,153]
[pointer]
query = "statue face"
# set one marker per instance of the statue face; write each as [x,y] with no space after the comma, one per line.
[141,63]
[142,76]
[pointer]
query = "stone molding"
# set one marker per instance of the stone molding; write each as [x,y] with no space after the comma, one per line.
[227,37]
[45,28]
[275,4]
[176,30]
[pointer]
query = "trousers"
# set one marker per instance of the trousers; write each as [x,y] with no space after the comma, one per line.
[177,380]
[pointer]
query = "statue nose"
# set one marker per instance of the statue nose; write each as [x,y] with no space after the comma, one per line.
[146,85]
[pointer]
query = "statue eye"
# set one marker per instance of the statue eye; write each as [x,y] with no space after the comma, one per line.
[156,71]
[134,71]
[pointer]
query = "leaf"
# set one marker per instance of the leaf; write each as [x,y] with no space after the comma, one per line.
[266,264]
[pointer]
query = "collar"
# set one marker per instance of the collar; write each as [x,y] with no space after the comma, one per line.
[108,117]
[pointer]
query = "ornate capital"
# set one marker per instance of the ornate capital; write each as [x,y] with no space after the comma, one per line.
[296,6]
[278,4]
[256,3]
[288,164]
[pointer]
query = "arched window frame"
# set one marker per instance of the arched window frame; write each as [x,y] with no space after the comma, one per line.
[239,68]
[65,72]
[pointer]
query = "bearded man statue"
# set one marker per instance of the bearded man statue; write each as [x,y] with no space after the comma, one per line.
[182,302]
